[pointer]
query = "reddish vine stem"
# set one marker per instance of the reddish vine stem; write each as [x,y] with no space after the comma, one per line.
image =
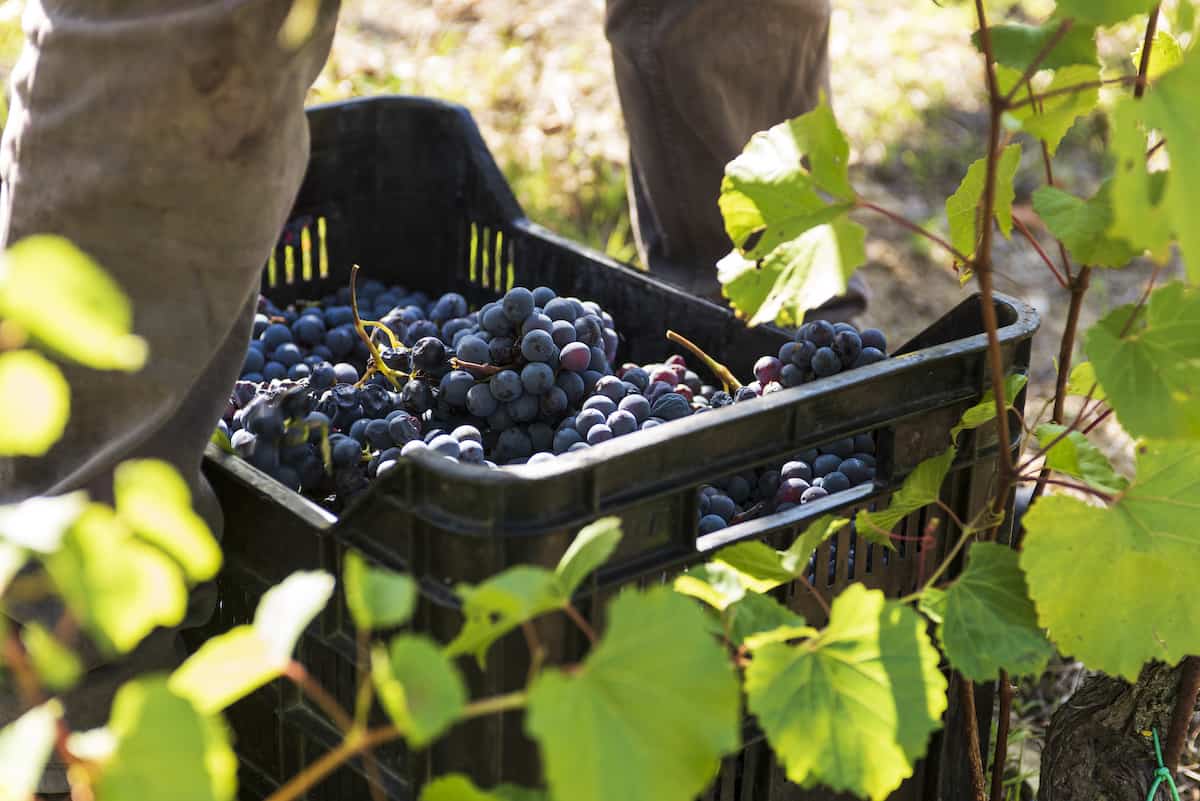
[1099,419]
[1003,720]
[1157,147]
[1084,488]
[583,625]
[1062,280]
[1181,714]
[821,602]
[966,694]
[1049,46]
[1143,73]
[916,229]
[320,696]
[1074,88]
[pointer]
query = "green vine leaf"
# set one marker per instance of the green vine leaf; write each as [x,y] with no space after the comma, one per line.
[12,559]
[25,747]
[419,687]
[45,280]
[756,614]
[1152,373]
[33,391]
[1076,456]
[1165,55]
[796,276]
[985,411]
[716,584]
[1016,45]
[1052,117]
[1081,225]
[501,604]
[988,621]
[963,207]
[853,707]
[1102,12]
[1069,553]
[156,503]
[56,665]
[1082,382]
[232,665]
[922,487]
[119,588]
[650,712]
[377,598]
[769,191]
[591,548]
[163,747]
[456,787]
[1168,108]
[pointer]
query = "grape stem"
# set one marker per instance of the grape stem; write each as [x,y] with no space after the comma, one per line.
[379,366]
[485,369]
[723,373]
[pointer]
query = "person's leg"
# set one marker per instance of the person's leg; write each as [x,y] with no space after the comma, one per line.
[167,139]
[697,78]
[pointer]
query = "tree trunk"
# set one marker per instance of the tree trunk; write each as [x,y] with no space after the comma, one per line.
[1095,747]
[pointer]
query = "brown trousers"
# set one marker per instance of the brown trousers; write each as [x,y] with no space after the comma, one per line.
[167,138]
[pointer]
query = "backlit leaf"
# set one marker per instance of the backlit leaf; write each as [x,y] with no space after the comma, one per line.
[1082,226]
[378,598]
[419,687]
[963,208]
[1141,554]
[649,713]
[922,487]
[35,403]
[1076,456]
[157,504]
[852,708]
[589,550]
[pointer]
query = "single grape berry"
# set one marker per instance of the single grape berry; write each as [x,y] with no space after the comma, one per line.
[517,304]
[847,346]
[873,338]
[538,346]
[601,403]
[812,494]
[826,363]
[711,523]
[767,369]
[506,386]
[869,356]
[835,482]
[825,464]
[537,378]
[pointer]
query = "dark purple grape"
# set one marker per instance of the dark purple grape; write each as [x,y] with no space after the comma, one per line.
[298,372]
[825,464]
[575,356]
[517,304]
[812,494]
[496,322]
[722,506]
[571,384]
[404,428]
[855,470]
[554,403]
[560,309]
[416,397]
[819,332]
[835,482]
[738,489]
[537,322]
[345,373]
[638,377]
[767,369]
[500,350]
[473,349]
[309,329]
[506,386]
[543,295]
[711,523]
[637,405]
[842,448]
[588,418]
[621,423]
[744,394]
[481,402]
[720,399]
[791,490]
[601,403]
[513,444]
[344,451]
[589,330]
[275,335]
[869,356]
[254,361]
[874,338]
[470,452]
[274,371]
[541,436]
[446,445]
[564,439]
[464,433]
[671,406]
[562,332]
[847,346]
[524,409]
[599,433]
[541,458]
[826,363]
[412,447]
[797,469]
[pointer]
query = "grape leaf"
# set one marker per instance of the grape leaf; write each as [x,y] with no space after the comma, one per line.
[963,207]
[12,559]
[1169,108]
[922,487]
[57,666]
[762,568]
[1102,12]
[715,583]
[988,621]
[25,747]
[1142,553]
[755,614]
[771,193]
[165,748]
[1082,381]
[35,399]
[40,523]
[592,547]
[852,708]
[119,588]
[985,411]
[1076,456]
[157,504]
[418,686]
[500,604]
[65,301]
[1165,55]
[1081,225]
[796,276]
[378,598]
[1152,373]
[232,665]
[1016,45]
[1139,215]
[1055,114]
[456,787]
[932,603]
[648,715]
[1185,16]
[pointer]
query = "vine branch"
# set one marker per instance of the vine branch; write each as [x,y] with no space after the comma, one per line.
[916,229]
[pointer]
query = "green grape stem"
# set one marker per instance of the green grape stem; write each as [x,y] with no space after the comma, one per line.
[391,375]
[723,373]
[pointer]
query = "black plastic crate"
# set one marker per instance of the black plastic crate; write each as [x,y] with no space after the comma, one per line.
[406,188]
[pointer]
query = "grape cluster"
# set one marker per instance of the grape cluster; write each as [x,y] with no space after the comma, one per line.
[324,407]
[813,474]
